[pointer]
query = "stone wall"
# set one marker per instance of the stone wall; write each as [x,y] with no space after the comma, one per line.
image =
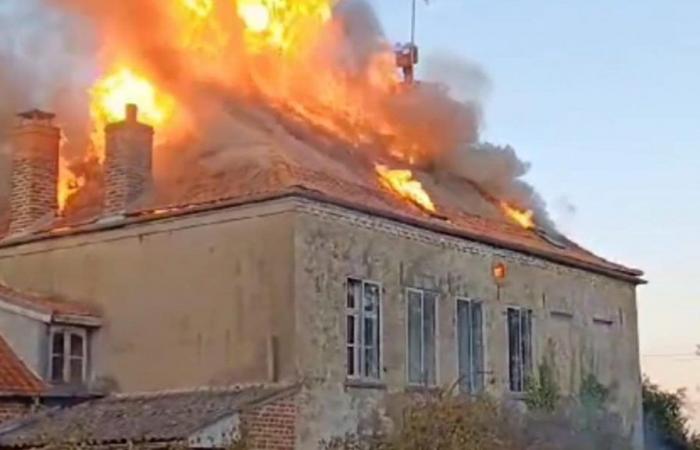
[11,409]
[586,322]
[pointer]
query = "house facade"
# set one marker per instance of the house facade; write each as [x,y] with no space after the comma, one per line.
[298,276]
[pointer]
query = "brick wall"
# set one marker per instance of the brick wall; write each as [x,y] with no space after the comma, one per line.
[272,426]
[12,409]
[128,164]
[34,175]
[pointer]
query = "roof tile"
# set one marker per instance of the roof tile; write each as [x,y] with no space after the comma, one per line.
[15,376]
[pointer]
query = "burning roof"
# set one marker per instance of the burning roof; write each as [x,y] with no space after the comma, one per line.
[254,99]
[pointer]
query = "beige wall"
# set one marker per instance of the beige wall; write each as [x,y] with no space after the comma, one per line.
[332,244]
[186,302]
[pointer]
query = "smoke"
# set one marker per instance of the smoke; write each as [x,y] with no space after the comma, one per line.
[342,82]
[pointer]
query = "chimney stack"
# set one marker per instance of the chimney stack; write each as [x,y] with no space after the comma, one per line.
[35,143]
[128,162]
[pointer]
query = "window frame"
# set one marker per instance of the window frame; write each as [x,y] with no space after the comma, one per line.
[482,330]
[436,346]
[526,370]
[359,345]
[67,332]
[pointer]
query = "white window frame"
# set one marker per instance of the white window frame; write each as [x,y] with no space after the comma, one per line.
[359,346]
[67,332]
[472,388]
[525,371]
[422,293]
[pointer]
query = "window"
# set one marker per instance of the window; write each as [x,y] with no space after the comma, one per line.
[421,337]
[470,346]
[68,363]
[519,347]
[362,329]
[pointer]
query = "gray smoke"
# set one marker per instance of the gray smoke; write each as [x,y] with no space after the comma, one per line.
[45,62]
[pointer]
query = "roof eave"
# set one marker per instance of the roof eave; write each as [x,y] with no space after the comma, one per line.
[628,275]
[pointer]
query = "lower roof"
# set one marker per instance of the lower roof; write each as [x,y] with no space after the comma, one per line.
[138,418]
[16,379]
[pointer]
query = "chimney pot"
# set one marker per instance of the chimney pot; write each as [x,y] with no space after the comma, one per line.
[132,113]
[35,144]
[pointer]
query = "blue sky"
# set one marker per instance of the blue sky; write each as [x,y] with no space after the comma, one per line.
[603,98]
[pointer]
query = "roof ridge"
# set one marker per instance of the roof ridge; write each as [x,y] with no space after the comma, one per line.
[233,388]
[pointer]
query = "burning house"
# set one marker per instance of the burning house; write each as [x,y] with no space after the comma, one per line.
[293,249]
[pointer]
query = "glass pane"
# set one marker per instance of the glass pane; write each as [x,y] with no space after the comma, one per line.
[371,298]
[76,370]
[351,360]
[526,327]
[354,290]
[429,326]
[369,329]
[350,329]
[371,369]
[57,369]
[57,344]
[463,345]
[76,345]
[415,340]
[514,350]
[477,338]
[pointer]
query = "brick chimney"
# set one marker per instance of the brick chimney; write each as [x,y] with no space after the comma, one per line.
[128,162]
[35,143]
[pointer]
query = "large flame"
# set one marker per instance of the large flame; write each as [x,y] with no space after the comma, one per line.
[283,53]
[403,184]
[281,24]
[524,218]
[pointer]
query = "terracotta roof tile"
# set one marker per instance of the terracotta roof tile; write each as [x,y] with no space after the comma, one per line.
[15,376]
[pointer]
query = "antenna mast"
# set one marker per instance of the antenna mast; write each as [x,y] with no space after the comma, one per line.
[407,54]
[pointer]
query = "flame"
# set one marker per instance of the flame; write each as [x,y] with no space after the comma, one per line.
[202,8]
[287,54]
[524,218]
[281,24]
[122,86]
[403,183]
[68,183]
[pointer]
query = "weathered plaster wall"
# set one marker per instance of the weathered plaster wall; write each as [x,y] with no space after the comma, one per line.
[333,244]
[187,302]
[27,337]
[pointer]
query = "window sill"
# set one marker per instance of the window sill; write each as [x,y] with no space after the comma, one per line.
[417,388]
[351,383]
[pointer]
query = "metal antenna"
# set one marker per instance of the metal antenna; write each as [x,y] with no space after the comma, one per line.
[407,54]
[413,24]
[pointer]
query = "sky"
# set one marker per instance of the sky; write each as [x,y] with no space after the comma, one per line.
[602,98]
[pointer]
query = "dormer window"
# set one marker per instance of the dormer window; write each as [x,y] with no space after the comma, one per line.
[68,351]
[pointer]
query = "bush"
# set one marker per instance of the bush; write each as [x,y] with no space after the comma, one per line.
[447,422]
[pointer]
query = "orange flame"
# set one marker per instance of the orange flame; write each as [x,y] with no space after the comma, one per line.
[524,218]
[402,183]
[110,95]
[68,184]
[281,24]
